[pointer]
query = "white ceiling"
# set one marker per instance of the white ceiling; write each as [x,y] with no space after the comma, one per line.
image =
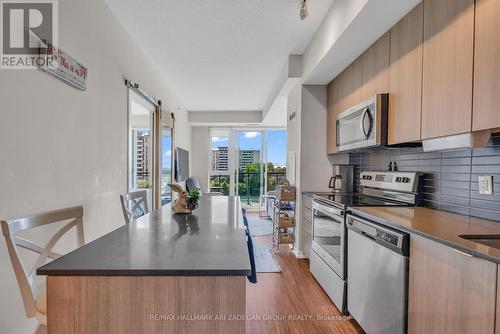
[220,55]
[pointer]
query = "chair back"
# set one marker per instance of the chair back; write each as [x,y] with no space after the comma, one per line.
[193,183]
[134,205]
[11,228]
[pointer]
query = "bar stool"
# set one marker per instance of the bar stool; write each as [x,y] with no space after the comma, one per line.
[33,293]
[134,205]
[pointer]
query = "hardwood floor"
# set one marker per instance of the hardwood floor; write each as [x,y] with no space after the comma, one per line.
[293,292]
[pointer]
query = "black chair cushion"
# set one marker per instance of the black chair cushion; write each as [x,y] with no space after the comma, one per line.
[253,277]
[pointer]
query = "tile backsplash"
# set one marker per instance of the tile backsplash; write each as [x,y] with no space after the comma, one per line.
[450,179]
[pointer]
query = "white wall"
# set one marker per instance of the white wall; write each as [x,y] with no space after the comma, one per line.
[294,129]
[315,168]
[340,16]
[61,146]
[231,118]
[349,28]
[307,137]
[200,155]
[294,104]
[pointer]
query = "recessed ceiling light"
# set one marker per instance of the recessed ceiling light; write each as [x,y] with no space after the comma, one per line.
[304,12]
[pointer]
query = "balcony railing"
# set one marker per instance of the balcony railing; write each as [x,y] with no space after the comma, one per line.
[249,184]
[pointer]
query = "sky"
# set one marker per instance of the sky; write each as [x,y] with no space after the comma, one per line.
[166,144]
[253,140]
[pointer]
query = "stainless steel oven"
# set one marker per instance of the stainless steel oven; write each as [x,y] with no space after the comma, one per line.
[364,125]
[328,239]
[328,247]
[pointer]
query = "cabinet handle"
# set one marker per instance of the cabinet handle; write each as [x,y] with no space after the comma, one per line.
[462,253]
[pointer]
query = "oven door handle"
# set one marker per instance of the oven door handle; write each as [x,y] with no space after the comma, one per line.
[327,209]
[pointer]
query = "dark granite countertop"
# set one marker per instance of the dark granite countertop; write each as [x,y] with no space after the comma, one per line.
[210,242]
[440,226]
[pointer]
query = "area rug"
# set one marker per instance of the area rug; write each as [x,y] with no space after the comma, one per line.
[264,261]
[259,226]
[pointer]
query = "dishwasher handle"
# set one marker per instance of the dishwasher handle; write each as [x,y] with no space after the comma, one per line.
[366,235]
[394,240]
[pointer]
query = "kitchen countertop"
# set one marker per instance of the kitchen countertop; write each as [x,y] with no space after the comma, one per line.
[441,226]
[319,193]
[209,242]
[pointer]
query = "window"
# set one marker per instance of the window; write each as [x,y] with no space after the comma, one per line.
[140,144]
[220,161]
[166,164]
[247,162]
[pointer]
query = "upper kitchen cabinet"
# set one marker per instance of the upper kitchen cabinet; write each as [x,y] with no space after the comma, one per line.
[447,67]
[350,86]
[376,68]
[343,92]
[405,84]
[486,110]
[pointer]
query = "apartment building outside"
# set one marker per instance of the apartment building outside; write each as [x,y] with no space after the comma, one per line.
[220,158]
[143,154]
[248,157]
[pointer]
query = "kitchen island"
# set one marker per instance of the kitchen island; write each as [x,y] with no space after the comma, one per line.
[163,273]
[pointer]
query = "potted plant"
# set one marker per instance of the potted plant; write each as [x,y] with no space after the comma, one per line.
[193,199]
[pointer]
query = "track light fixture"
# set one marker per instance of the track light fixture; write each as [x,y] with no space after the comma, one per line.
[303,10]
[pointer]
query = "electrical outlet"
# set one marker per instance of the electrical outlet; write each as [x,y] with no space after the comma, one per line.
[486,185]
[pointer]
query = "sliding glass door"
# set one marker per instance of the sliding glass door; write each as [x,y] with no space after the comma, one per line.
[261,164]
[141,141]
[247,162]
[166,164]
[150,141]
[221,162]
[249,170]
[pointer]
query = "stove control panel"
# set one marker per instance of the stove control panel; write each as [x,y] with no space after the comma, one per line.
[397,181]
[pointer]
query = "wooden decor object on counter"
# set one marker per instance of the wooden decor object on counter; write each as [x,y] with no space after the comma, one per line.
[179,205]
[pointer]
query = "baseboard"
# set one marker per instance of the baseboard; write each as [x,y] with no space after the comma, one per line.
[299,254]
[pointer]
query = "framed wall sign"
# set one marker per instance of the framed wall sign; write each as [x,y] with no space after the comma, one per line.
[61,65]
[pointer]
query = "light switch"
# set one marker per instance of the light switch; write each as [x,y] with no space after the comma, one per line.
[486,185]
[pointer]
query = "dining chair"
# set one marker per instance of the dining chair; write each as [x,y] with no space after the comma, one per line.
[33,294]
[134,205]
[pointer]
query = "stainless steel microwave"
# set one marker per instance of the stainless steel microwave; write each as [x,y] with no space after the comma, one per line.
[364,125]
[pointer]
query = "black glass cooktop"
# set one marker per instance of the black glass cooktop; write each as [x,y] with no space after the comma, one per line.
[345,200]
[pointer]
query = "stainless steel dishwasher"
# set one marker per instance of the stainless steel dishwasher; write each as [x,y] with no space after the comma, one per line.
[377,276]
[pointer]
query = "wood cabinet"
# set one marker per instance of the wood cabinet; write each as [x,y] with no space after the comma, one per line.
[449,291]
[441,67]
[350,86]
[343,92]
[376,68]
[405,84]
[486,109]
[447,67]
